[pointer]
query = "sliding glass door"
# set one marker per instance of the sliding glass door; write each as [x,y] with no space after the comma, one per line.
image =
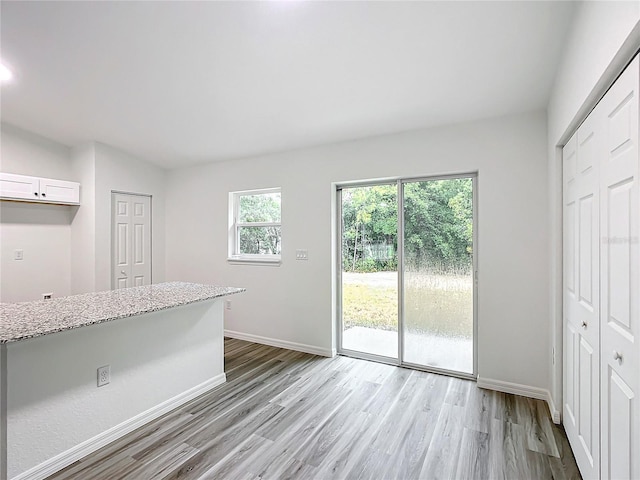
[370,269]
[437,276]
[407,289]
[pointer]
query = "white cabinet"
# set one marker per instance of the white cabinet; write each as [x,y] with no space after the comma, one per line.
[41,190]
[601,291]
[19,186]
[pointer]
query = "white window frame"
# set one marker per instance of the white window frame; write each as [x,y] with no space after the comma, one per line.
[234,228]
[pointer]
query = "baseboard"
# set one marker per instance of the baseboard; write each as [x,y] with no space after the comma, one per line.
[523,390]
[556,416]
[274,342]
[87,447]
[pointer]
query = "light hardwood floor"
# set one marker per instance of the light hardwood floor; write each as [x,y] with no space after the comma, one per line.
[285,414]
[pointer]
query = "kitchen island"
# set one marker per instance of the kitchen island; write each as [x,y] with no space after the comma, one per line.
[163,346]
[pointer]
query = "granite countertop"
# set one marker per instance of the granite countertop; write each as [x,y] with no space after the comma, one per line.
[20,321]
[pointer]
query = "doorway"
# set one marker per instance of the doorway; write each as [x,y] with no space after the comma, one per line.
[407,283]
[130,240]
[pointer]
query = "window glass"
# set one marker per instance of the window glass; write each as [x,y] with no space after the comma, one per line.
[260,208]
[260,240]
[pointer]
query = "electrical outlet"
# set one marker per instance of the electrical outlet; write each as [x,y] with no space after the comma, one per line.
[47,296]
[104,375]
[227,304]
[18,254]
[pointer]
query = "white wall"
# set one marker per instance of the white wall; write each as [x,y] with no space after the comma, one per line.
[293,302]
[116,170]
[83,232]
[43,232]
[603,38]
[25,153]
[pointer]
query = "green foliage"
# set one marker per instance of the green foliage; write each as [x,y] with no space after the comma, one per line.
[265,239]
[263,207]
[367,265]
[369,216]
[438,221]
[260,240]
[438,217]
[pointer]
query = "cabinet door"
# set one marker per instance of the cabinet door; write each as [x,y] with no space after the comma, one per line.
[19,187]
[620,282]
[59,191]
[581,295]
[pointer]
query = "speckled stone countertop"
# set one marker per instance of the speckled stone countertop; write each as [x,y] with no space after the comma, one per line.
[20,321]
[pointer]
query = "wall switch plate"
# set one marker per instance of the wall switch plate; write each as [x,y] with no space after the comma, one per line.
[104,375]
[302,254]
[47,296]
[18,254]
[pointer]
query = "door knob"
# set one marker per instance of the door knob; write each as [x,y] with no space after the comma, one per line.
[617,356]
[123,273]
[584,324]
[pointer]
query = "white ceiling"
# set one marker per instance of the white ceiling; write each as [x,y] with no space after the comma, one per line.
[177,83]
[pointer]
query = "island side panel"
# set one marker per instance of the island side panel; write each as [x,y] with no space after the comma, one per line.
[3,412]
[54,404]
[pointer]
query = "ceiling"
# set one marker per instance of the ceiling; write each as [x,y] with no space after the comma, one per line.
[178,83]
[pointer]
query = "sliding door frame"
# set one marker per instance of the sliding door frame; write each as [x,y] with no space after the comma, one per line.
[400,184]
[345,351]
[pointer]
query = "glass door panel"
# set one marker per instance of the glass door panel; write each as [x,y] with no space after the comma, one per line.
[438,290]
[369,270]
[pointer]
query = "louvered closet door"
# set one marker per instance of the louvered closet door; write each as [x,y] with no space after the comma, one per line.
[620,285]
[581,296]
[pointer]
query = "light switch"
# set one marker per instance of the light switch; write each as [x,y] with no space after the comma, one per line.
[302,255]
[18,255]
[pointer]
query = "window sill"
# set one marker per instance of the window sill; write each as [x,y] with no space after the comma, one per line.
[273,262]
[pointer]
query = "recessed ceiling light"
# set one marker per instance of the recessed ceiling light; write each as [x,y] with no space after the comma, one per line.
[5,73]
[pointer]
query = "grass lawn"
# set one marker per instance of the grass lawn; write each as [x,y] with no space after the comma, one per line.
[434,304]
[367,306]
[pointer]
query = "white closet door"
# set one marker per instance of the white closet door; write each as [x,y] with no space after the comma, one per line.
[620,283]
[581,296]
[131,240]
[571,330]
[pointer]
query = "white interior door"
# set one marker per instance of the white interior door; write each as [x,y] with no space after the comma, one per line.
[581,407]
[131,240]
[620,285]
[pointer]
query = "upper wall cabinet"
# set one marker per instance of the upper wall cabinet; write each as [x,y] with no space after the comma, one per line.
[41,190]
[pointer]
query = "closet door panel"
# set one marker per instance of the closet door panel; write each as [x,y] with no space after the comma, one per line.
[581,296]
[620,286]
[588,394]
[570,365]
[618,457]
[570,329]
[589,141]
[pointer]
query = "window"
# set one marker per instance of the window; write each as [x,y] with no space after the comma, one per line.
[255,226]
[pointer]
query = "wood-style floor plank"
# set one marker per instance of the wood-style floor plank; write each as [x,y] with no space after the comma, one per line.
[285,414]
